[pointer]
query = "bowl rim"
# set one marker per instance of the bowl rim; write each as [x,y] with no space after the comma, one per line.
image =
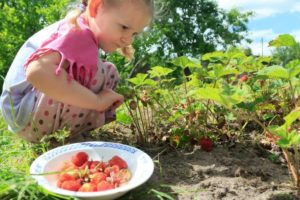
[40,163]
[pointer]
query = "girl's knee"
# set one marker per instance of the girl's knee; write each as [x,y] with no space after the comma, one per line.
[110,68]
[111,76]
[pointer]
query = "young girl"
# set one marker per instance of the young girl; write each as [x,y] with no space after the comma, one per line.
[57,79]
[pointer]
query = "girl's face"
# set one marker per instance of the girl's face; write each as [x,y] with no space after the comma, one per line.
[116,26]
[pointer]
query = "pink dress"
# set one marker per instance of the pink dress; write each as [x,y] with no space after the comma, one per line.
[80,49]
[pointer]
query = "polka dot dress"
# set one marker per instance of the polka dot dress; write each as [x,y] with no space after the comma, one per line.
[50,115]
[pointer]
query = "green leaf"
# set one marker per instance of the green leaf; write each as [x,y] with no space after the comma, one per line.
[294,71]
[184,62]
[214,56]
[222,71]
[138,80]
[217,95]
[122,117]
[162,194]
[284,40]
[284,143]
[274,72]
[159,71]
[290,118]
[150,82]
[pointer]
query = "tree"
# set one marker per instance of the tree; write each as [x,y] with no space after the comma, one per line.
[286,54]
[190,27]
[19,19]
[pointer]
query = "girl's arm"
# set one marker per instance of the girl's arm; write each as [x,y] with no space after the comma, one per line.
[40,73]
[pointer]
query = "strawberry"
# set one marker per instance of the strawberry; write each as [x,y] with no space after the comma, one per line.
[80,158]
[97,166]
[88,187]
[206,144]
[244,78]
[122,176]
[98,177]
[116,160]
[104,185]
[71,185]
[113,169]
[66,177]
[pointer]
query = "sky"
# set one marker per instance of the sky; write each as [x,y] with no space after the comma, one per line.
[271,18]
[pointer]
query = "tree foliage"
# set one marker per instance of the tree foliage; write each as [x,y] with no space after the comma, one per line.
[191,28]
[19,19]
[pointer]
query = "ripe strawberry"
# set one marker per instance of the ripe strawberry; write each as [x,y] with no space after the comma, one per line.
[66,177]
[104,185]
[206,144]
[88,187]
[71,185]
[122,176]
[97,166]
[116,160]
[113,169]
[244,78]
[73,172]
[98,177]
[80,158]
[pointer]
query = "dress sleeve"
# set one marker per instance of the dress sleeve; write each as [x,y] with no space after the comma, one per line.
[77,46]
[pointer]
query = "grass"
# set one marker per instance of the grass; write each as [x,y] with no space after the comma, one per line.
[16,155]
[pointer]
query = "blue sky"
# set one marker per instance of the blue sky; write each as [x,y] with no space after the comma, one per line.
[272,17]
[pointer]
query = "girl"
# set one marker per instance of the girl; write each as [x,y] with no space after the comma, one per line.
[57,79]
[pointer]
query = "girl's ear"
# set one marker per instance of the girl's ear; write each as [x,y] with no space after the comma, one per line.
[93,7]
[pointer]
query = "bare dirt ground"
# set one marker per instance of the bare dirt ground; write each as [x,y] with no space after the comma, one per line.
[242,171]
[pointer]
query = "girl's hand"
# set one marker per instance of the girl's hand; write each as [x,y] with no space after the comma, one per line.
[109,100]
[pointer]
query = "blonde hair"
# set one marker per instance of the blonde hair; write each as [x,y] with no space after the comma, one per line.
[127,51]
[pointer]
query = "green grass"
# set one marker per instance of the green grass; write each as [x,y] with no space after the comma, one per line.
[16,155]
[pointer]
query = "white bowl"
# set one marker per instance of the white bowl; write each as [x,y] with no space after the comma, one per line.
[139,163]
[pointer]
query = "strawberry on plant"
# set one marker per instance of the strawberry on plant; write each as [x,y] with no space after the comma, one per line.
[80,158]
[116,160]
[206,144]
[244,78]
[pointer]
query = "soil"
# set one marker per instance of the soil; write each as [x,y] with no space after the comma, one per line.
[231,171]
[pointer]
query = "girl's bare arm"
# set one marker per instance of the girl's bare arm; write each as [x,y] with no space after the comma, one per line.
[40,73]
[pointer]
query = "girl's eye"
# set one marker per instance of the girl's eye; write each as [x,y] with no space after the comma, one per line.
[124,27]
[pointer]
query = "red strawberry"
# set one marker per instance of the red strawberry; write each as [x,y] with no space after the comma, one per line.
[116,160]
[98,177]
[80,158]
[115,169]
[244,78]
[88,187]
[122,176]
[71,185]
[206,144]
[66,177]
[104,185]
[97,166]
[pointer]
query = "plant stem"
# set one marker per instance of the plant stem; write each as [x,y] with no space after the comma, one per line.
[140,136]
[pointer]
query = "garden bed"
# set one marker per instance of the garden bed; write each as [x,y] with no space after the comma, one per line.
[230,171]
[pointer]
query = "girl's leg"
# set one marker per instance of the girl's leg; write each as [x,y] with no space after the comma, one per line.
[50,115]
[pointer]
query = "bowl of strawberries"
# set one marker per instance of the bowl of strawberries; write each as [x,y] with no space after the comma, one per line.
[92,170]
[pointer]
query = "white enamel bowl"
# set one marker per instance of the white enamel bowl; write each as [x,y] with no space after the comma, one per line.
[139,163]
